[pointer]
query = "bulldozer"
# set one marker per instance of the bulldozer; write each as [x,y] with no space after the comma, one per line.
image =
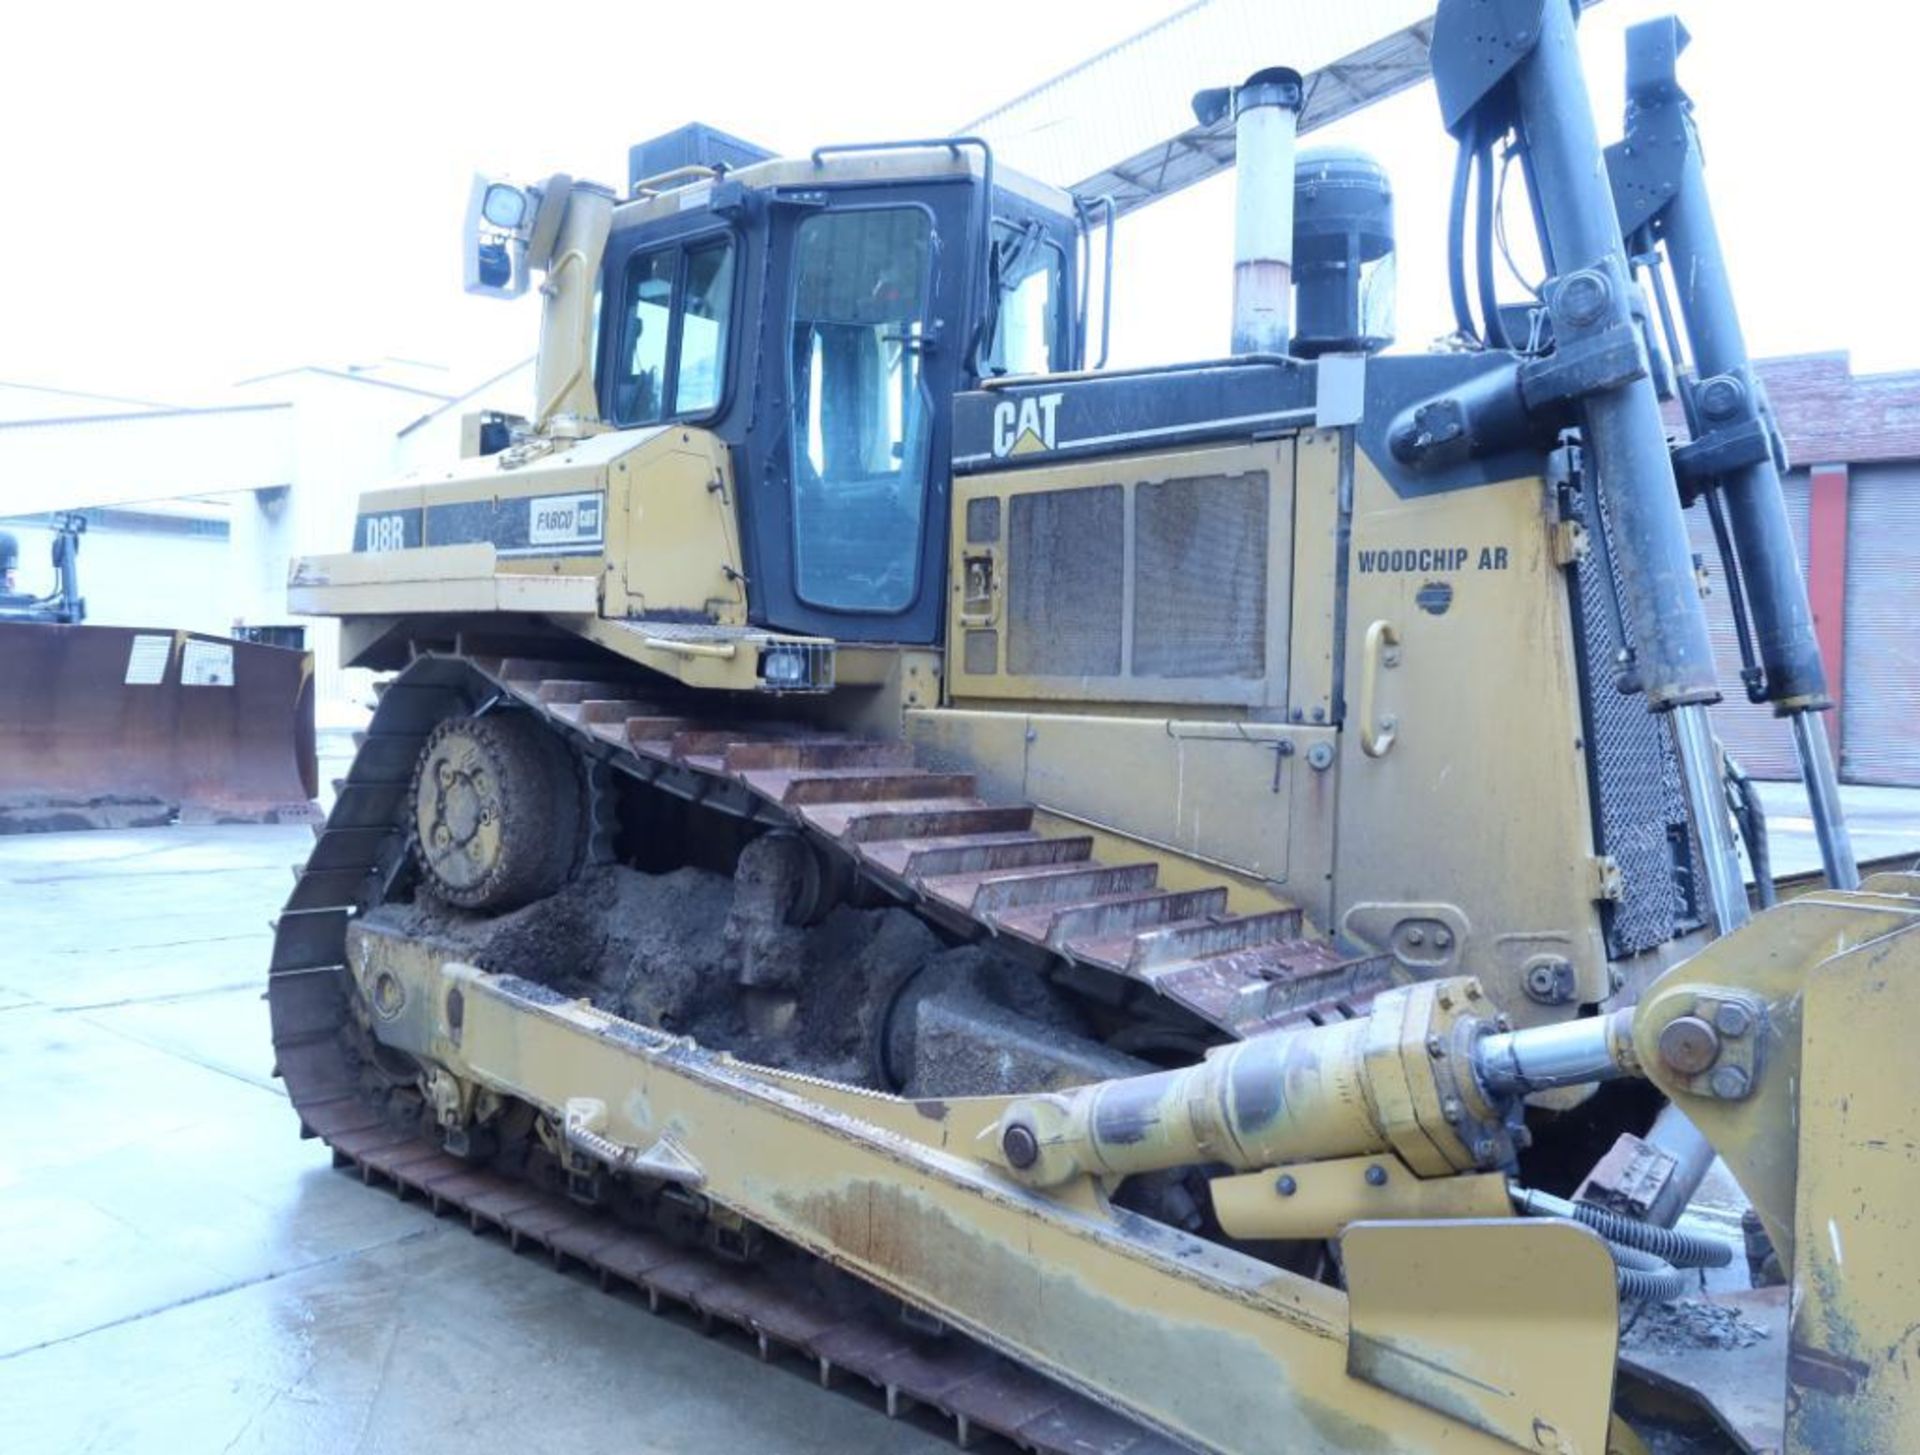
[1137,909]
[108,727]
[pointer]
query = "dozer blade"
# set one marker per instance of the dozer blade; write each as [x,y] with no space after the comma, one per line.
[113,727]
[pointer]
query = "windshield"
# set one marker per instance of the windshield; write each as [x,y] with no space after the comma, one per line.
[861,414]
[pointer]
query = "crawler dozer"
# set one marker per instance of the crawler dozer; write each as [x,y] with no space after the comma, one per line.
[1191,907]
[126,727]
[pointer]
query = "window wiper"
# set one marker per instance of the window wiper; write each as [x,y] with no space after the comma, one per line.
[1005,264]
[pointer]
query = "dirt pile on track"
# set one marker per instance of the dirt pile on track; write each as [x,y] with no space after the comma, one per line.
[659,949]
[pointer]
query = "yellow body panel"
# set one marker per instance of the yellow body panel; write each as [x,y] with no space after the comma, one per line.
[465,578]
[1446,820]
[1465,846]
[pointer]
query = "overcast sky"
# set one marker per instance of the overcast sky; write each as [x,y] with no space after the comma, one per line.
[196,192]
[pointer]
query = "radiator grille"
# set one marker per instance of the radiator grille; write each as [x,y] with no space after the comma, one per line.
[1065,554]
[1200,577]
[1640,797]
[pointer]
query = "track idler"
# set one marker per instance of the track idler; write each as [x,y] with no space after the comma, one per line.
[496,811]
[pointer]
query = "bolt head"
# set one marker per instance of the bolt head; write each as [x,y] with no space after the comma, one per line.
[1721,397]
[1732,1019]
[1416,936]
[1443,937]
[1689,1045]
[1450,1109]
[1583,298]
[1020,1147]
[1436,1046]
[1376,1175]
[1729,1082]
[1483,1150]
[1285,1185]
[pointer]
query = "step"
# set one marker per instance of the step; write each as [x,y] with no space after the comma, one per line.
[920,859]
[997,892]
[717,742]
[557,691]
[1035,922]
[860,785]
[1109,915]
[917,820]
[604,710]
[1276,985]
[654,735]
[1193,941]
[524,674]
[797,754]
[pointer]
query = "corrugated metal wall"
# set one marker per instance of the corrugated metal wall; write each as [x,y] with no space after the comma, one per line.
[1880,719]
[1762,743]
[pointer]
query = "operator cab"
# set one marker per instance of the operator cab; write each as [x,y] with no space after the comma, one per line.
[819,316]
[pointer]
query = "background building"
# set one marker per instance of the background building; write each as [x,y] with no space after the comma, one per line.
[1853,497]
[195,510]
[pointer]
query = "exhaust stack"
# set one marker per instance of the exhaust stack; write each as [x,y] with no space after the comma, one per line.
[1266,116]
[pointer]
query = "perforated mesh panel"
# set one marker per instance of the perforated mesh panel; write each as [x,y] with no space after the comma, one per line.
[1065,550]
[981,657]
[1200,577]
[983,520]
[1641,797]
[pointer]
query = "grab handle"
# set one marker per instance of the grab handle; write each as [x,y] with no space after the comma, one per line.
[1382,650]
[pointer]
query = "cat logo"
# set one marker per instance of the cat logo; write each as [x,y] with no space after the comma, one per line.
[1022,426]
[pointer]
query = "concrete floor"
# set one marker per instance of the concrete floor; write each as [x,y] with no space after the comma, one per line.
[180,1273]
[1881,821]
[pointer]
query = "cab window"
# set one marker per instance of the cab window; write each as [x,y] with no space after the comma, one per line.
[1031,273]
[670,361]
[862,415]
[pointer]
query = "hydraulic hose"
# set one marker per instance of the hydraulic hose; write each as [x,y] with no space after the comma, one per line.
[1682,1250]
[1495,328]
[1457,237]
[1652,1262]
[1644,1277]
[1750,817]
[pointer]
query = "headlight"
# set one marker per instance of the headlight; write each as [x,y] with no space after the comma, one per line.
[797,667]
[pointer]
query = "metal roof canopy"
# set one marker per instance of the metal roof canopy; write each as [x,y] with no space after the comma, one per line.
[1121,123]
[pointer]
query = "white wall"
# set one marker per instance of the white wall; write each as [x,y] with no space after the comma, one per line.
[343,443]
[136,577]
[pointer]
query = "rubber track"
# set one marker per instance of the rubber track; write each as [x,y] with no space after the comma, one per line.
[360,854]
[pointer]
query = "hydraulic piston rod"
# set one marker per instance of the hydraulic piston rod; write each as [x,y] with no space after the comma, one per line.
[1660,181]
[1429,1074]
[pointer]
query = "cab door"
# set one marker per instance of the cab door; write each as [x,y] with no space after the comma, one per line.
[868,316]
